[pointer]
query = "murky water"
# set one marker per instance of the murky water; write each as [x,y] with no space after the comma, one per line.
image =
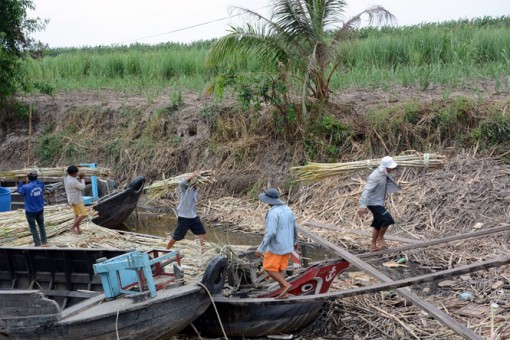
[163,224]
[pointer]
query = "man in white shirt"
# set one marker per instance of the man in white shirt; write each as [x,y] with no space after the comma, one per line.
[75,183]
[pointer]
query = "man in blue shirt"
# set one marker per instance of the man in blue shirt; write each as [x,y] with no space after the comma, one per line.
[34,207]
[279,239]
[187,217]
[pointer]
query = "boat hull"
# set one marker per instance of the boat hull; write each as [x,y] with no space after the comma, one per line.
[260,314]
[167,314]
[78,308]
[249,318]
[114,208]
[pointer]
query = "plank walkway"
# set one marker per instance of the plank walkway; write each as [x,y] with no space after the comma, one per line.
[432,310]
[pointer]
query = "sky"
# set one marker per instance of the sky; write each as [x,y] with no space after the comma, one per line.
[77,23]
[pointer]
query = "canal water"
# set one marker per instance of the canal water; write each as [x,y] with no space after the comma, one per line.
[163,224]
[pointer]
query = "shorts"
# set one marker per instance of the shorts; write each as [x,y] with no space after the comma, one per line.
[79,209]
[382,217]
[275,262]
[184,224]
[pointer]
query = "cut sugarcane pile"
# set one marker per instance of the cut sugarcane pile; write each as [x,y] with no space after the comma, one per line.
[58,172]
[14,226]
[163,187]
[318,171]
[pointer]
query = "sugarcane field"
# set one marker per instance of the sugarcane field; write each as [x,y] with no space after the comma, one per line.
[310,173]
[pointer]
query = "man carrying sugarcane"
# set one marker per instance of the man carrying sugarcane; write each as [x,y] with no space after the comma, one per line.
[279,240]
[187,217]
[34,207]
[74,184]
[379,184]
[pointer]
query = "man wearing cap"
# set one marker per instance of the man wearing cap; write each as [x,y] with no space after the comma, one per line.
[379,183]
[34,207]
[279,239]
[187,217]
[74,183]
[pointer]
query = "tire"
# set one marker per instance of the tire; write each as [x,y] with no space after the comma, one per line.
[137,184]
[215,274]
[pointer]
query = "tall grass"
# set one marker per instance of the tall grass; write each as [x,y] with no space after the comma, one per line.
[446,53]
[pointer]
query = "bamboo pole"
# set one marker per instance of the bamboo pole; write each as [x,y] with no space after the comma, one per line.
[29,134]
[432,310]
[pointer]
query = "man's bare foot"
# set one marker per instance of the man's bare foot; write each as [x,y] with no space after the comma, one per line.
[373,249]
[283,293]
[382,244]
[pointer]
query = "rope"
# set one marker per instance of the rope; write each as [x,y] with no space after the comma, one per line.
[116,324]
[215,309]
[196,330]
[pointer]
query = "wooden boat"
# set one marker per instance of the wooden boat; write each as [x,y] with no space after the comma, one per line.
[252,310]
[113,206]
[48,293]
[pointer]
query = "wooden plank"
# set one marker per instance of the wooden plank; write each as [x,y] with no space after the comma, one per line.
[503,227]
[359,232]
[71,293]
[426,306]
[497,262]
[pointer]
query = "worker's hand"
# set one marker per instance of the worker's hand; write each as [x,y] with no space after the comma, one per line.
[257,253]
[81,175]
[361,212]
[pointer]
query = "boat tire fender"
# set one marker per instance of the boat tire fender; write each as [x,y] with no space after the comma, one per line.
[215,274]
[137,184]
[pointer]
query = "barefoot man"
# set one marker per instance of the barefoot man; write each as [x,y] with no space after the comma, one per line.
[187,217]
[74,183]
[379,183]
[279,239]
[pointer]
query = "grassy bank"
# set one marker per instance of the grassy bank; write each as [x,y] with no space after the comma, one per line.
[449,53]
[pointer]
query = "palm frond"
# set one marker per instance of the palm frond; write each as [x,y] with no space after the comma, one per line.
[247,40]
[376,14]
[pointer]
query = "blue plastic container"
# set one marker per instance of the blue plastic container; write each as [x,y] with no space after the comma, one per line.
[5,199]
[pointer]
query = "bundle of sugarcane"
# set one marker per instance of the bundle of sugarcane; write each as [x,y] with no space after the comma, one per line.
[46,173]
[14,226]
[161,188]
[318,171]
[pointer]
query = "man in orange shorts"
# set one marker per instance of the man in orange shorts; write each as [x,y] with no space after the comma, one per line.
[279,239]
[74,183]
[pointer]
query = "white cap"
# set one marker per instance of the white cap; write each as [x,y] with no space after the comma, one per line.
[388,162]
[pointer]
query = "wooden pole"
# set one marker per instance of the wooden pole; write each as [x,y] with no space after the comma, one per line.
[29,134]
[497,262]
[426,306]
[503,227]
[359,232]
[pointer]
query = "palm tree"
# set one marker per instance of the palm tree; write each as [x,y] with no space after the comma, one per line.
[303,36]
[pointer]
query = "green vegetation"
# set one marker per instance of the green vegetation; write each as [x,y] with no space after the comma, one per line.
[450,53]
[15,45]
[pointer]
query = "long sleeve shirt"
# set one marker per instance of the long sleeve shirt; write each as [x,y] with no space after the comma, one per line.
[189,197]
[74,186]
[379,184]
[281,232]
[34,195]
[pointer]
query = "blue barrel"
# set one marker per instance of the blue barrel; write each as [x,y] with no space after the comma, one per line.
[5,199]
